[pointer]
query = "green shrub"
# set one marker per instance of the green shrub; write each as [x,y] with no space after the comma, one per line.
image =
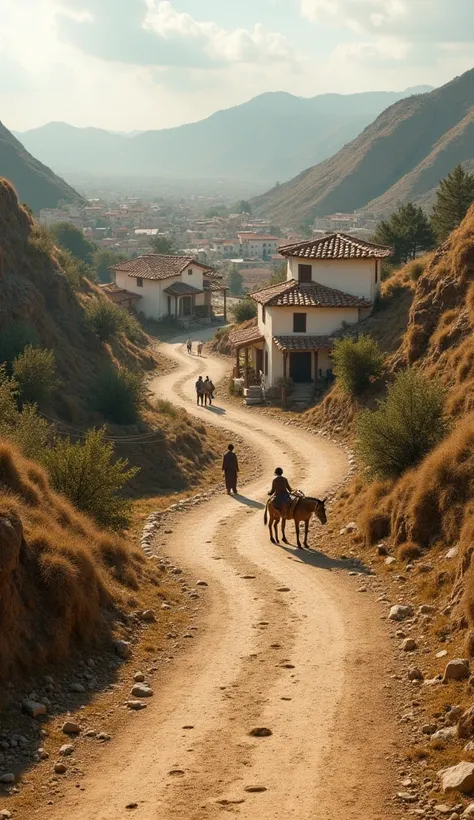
[14,339]
[30,433]
[168,408]
[244,310]
[34,371]
[118,395]
[357,363]
[26,429]
[416,270]
[404,427]
[105,318]
[86,473]
[132,327]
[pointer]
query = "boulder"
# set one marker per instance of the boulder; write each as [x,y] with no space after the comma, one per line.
[142,690]
[60,768]
[122,649]
[409,645]
[33,709]
[458,778]
[71,728]
[400,611]
[136,705]
[446,733]
[148,615]
[466,724]
[452,553]
[77,687]
[426,609]
[415,674]
[7,778]
[390,560]
[457,669]
[66,750]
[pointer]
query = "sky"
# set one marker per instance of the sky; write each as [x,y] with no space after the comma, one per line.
[137,64]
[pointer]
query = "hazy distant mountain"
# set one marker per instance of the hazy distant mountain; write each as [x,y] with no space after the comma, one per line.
[269,138]
[401,156]
[36,185]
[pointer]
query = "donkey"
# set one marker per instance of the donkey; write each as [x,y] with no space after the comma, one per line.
[304,509]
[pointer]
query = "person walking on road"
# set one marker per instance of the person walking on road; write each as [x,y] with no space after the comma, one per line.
[200,389]
[199,348]
[230,467]
[189,346]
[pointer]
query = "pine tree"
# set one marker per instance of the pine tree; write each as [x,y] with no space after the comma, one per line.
[454,197]
[408,231]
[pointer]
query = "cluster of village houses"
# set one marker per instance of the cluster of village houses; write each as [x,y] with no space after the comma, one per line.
[331,282]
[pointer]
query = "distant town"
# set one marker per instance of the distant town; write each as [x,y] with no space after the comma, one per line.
[201,228]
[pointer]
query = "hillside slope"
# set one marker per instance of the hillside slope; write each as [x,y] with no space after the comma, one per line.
[273,136]
[36,292]
[401,156]
[36,184]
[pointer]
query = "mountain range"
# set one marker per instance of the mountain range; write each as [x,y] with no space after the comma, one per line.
[271,137]
[36,184]
[402,156]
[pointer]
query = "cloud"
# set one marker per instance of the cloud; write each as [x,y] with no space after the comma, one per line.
[414,20]
[154,33]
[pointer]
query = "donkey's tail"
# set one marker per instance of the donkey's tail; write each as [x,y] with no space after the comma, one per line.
[265,517]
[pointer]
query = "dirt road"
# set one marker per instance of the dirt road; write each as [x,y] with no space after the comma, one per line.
[286,644]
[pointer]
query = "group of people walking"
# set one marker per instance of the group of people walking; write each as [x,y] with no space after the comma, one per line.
[189,347]
[204,391]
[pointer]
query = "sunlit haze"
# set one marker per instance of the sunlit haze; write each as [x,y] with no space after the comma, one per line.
[139,64]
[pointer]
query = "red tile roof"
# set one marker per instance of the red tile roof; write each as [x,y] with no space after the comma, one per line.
[119,296]
[336,246]
[158,266]
[247,336]
[303,342]
[291,293]
[212,285]
[182,289]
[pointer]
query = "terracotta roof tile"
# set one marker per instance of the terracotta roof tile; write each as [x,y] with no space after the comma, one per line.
[336,246]
[158,266]
[303,342]
[241,338]
[293,294]
[118,295]
[182,289]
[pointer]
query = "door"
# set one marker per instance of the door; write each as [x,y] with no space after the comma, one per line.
[300,367]
[187,305]
[259,360]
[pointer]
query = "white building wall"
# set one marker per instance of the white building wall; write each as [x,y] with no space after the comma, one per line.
[190,276]
[154,304]
[354,276]
[319,321]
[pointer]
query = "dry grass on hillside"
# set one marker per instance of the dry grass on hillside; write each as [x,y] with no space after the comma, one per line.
[63,582]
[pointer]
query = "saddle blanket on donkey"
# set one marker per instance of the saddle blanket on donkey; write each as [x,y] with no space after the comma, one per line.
[287,501]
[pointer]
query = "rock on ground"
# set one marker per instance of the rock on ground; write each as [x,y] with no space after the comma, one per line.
[466,724]
[400,611]
[71,728]
[457,669]
[458,778]
[142,690]
[33,709]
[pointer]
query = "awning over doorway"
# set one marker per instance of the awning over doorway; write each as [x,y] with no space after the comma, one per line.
[246,337]
[303,343]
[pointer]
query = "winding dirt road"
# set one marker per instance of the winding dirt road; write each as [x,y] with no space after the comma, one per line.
[286,643]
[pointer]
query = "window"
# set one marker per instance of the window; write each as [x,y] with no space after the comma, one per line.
[376,271]
[264,315]
[139,283]
[305,273]
[190,273]
[299,322]
[265,365]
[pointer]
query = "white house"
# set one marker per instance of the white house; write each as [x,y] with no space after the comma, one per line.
[169,286]
[331,282]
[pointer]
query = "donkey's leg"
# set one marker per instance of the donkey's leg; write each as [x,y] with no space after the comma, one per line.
[276,530]
[283,525]
[306,530]
[297,528]
[270,529]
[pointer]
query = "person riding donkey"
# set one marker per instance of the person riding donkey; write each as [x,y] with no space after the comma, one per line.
[281,492]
